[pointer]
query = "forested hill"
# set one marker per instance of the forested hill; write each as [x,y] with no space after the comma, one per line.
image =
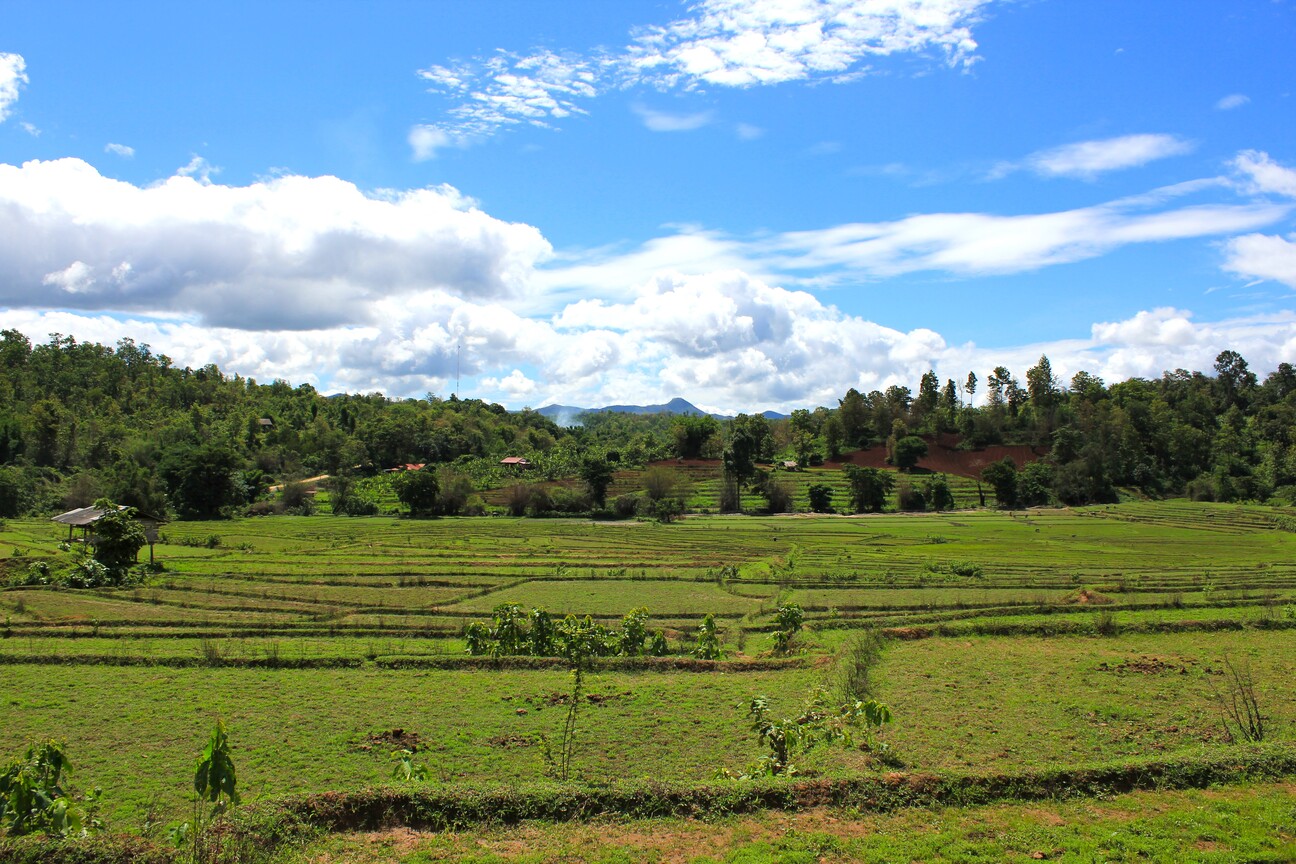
[80,420]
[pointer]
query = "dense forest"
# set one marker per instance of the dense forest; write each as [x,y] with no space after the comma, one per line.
[80,421]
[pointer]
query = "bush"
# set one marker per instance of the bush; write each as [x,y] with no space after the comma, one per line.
[938,494]
[456,490]
[32,797]
[730,495]
[567,500]
[517,498]
[660,482]
[265,508]
[666,510]
[296,499]
[909,498]
[820,498]
[625,506]
[777,493]
[539,501]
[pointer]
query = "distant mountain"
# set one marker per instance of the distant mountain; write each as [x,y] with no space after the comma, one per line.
[675,406]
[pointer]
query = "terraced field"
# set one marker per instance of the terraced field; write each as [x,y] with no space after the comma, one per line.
[1039,640]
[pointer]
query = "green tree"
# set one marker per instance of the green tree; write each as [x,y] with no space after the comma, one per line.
[938,494]
[201,480]
[418,491]
[118,537]
[597,474]
[853,414]
[692,434]
[869,488]
[820,497]
[1002,477]
[907,451]
[833,436]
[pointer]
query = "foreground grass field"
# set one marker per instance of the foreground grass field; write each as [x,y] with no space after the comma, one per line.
[1013,643]
[1228,824]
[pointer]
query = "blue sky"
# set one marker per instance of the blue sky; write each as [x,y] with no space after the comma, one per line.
[749,203]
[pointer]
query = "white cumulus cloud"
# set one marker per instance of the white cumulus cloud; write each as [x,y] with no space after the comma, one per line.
[1263,256]
[292,252]
[1231,101]
[1263,175]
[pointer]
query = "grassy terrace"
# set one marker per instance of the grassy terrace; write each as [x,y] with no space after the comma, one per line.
[1023,642]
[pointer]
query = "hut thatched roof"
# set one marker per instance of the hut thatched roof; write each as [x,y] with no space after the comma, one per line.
[86,516]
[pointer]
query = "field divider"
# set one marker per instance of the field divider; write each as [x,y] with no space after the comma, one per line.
[411,662]
[452,808]
[1087,628]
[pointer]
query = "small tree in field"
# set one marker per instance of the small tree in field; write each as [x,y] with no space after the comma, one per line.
[597,474]
[869,488]
[708,645]
[820,497]
[418,490]
[118,538]
[908,450]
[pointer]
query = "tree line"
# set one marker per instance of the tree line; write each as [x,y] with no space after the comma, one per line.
[81,421]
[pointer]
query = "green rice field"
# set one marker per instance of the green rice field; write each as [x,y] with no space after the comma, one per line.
[1012,643]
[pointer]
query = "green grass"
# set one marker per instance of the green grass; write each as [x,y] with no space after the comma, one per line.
[136,731]
[1227,824]
[370,590]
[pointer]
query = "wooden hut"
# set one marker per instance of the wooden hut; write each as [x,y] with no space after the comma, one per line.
[85,517]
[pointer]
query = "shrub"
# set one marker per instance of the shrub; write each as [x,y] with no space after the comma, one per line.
[938,494]
[708,645]
[730,496]
[777,492]
[909,498]
[296,499]
[820,498]
[855,664]
[32,797]
[567,500]
[517,498]
[660,482]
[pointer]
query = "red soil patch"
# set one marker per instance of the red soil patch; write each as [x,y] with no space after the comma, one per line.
[944,457]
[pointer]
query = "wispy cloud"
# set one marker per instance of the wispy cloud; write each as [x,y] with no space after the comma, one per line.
[722,43]
[957,244]
[504,90]
[13,74]
[748,132]
[744,43]
[30,128]
[1231,101]
[665,121]
[824,148]
[120,149]
[1088,159]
